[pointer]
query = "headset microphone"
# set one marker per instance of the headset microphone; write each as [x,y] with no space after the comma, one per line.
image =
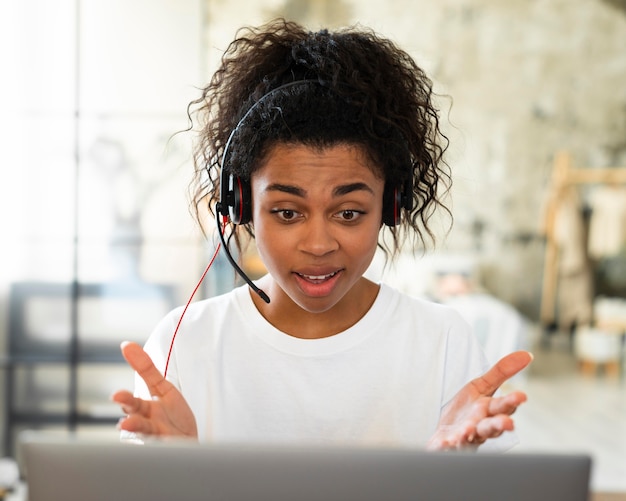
[242,274]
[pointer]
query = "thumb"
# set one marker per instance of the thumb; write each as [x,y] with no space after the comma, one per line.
[504,369]
[141,362]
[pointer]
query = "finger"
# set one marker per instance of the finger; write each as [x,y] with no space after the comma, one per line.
[137,424]
[141,362]
[507,404]
[468,438]
[131,404]
[442,443]
[504,369]
[123,397]
[493,427]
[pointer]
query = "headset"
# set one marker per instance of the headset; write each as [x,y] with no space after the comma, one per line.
[236,200]
[235,203]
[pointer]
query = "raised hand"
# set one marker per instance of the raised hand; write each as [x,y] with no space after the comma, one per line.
[474,415]
[167,414]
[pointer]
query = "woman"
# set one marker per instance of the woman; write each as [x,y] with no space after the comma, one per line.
[319,145]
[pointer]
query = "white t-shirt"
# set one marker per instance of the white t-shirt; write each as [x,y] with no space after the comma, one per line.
[382,382]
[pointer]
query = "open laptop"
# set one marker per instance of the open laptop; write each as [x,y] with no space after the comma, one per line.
[76,470]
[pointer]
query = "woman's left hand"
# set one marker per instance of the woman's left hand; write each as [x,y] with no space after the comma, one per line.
[474,415]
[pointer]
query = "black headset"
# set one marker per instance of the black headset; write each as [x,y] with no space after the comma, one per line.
[236,194]
[236,200]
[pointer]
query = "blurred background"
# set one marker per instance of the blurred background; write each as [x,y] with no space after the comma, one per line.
[98,241]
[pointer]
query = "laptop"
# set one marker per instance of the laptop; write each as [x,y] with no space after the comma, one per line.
[79,470]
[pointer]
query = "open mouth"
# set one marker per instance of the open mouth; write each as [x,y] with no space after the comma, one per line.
[317,278]
[318,286]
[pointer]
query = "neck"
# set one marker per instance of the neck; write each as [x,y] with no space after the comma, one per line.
[288,317]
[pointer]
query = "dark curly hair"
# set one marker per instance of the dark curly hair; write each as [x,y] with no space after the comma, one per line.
[361,89]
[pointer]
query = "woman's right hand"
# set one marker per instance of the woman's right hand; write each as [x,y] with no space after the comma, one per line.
[167,414]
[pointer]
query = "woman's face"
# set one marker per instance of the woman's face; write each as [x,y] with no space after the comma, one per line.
[316,215]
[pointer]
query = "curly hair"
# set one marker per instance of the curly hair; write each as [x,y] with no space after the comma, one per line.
[367,92]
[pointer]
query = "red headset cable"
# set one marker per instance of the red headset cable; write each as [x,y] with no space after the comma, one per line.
[169,353]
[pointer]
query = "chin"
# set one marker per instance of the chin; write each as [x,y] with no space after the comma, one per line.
[315,305]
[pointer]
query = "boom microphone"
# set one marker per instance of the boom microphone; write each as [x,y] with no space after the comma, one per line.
[241,273]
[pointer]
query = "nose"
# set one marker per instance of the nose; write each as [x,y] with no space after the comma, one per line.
[318,237]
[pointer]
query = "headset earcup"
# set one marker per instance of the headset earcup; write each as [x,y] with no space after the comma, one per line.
[240,210]
[392,202]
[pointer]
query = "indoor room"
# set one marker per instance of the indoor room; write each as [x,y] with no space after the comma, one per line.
[100,240]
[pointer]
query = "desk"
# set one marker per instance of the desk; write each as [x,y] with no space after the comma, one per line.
[608,496]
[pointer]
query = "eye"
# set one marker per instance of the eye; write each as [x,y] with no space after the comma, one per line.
[349,215]
[286,214]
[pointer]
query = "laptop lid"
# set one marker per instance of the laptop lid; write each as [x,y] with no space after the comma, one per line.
[76,470]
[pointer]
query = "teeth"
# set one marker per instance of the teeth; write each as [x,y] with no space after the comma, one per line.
[318,277]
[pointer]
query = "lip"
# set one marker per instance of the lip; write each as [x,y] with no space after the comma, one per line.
[317,276]
[318,282]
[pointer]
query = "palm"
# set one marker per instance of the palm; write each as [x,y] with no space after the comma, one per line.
[474,415]
[166,414]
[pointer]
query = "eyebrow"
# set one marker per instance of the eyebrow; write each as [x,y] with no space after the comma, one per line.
[286,188]
[343,189]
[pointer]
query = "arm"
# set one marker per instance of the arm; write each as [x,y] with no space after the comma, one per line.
[474,415]
[167,414]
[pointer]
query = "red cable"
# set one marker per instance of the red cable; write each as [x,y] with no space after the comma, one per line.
[169,354]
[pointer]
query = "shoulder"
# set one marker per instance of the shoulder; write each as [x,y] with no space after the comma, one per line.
[212,307]
[440,329]
[199,320]
[423,311]
[196,311]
